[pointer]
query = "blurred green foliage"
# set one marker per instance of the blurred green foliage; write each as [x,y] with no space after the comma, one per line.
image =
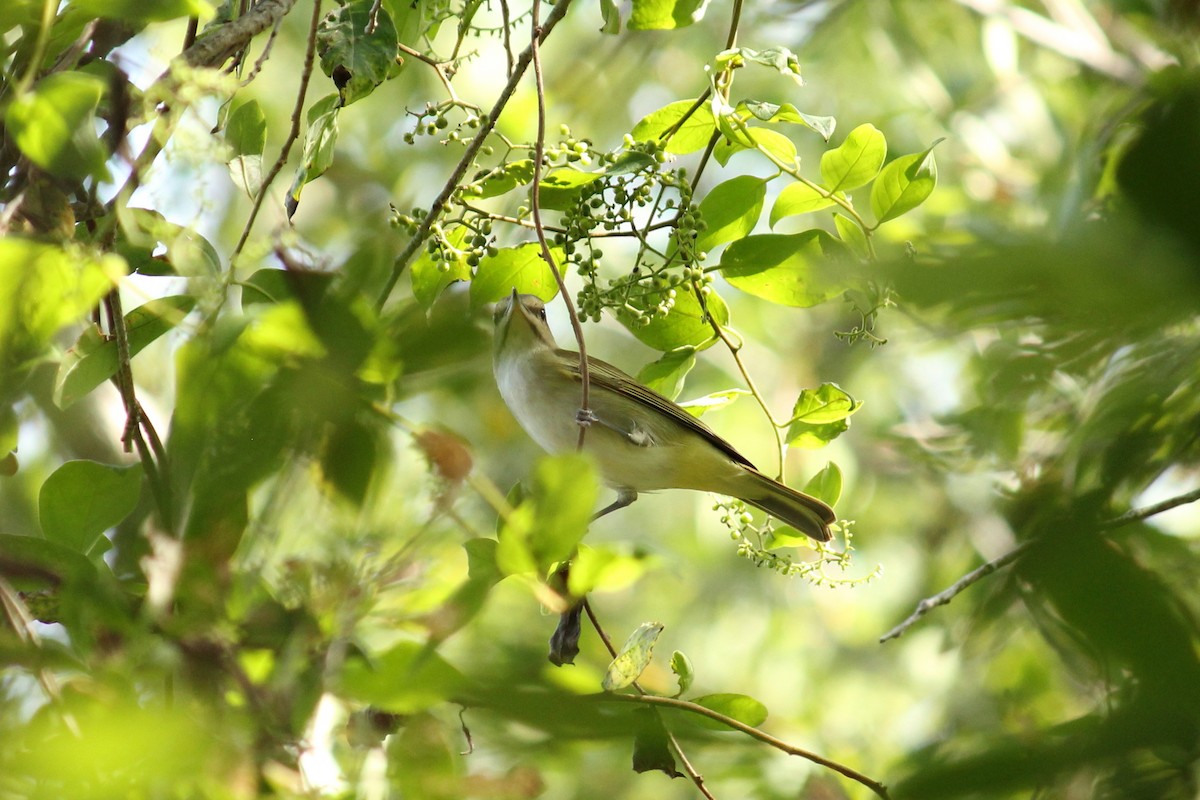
[251,540]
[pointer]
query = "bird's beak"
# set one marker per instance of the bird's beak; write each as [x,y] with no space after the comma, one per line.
[502,314]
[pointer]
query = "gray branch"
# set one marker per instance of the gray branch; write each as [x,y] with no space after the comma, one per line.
[215,47]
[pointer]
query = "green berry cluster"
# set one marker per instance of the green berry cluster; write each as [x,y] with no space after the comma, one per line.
[753,543]
[636,198]
[434,120]
[446,246]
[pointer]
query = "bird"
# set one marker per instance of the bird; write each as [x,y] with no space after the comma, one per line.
[640,440]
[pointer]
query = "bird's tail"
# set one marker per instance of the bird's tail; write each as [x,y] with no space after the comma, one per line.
[803,512]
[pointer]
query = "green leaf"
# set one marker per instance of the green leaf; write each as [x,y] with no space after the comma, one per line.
[852,235]
[820,416]
[271,285]
[633,658]
[780,59]
[505,178]
[319,142]
[904,184]
[246,135]
[604,569]
[826,485]
[82,499]
[799,198]
[665,15]
[140,11]
[700,406]
[691,136]
[827,403]
[521,268]
[610,12]
[188,253]
[547,526]
[685,324]
[780,148]
[652,750]
[743,708]
[770,112]
[356,60]
[93,359]
[246,173]
[855,161]
[44,287]
[560,189]
[731,210]
[784,268]
[246,130]
[681,665]
[629,162]
[55,125]
[403,680]
[430,278]
[666,375]
[349,456]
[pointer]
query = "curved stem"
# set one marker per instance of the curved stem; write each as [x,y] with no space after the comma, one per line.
[694,708]
[293,133]
[39,47]
[539,152]
[974,576]
[691,771]
[468,158]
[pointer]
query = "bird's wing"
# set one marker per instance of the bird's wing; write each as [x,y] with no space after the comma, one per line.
[606,376]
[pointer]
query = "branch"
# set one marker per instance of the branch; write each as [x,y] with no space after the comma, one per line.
[694,708]
[468,158]
[1138,514]
[214,48]
[944,597]
[535,204]
[293,133]
[691,771]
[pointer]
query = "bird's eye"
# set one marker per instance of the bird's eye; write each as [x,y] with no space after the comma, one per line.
[541,313]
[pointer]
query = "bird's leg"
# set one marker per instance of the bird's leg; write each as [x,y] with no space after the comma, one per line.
[624,497]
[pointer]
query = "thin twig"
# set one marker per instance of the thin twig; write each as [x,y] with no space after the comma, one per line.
[1138,514]
[293,133]
[506,23]
[735,351]
[49,7]
[264,55]
[944,597]
[539,154]
[124,374]
[691,771]
[468,158]
[137,425]
[438,66]
[21,622]
[694,708]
